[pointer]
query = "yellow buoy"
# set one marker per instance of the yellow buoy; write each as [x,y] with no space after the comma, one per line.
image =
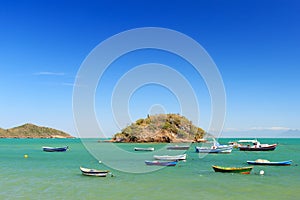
[25,156]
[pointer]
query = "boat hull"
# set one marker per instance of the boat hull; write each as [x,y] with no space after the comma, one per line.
[281,163]
[161,163]
[95,174]
[263,148]
[240,170]
[55,149]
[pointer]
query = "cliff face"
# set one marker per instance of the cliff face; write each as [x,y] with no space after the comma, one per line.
[161,128]
[32,131]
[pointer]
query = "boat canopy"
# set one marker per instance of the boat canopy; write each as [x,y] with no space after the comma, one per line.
[262,161]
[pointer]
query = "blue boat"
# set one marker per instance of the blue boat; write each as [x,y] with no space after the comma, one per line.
[161,163]
[266,162]
[55,149]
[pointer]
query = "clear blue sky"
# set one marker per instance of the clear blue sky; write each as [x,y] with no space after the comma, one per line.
[255,45]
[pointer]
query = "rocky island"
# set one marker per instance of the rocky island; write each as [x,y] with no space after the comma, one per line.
[165,128]
[32,131]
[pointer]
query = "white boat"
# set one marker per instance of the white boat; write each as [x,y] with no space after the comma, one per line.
[93,172]
[144,149]
[170,158]
[215,148]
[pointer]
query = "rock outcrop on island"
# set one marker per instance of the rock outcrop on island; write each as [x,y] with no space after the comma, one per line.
[165,128]
[32,131]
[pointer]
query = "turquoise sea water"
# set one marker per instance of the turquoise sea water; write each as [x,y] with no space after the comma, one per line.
[45,175]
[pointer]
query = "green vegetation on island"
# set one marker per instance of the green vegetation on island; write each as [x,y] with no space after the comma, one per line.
[32,131]
[161,128]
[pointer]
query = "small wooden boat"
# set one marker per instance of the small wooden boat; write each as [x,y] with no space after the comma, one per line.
[267,162]
[241,170]
[55,149]
[144,149]
[176,147]
[94,172]
[214,149]
[256,146]
[170,158]
[161,163]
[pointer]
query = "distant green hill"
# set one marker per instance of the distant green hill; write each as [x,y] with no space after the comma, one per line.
[161,128]
[32,131]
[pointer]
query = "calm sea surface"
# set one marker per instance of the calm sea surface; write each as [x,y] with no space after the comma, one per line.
[56,175]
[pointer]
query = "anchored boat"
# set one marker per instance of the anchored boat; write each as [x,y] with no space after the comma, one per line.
[161,163]
[55,149]
[213,149]
[144,149]
[255,145]
[216,147]
[176,147]
[241,170]
[94,172]
[267,162]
